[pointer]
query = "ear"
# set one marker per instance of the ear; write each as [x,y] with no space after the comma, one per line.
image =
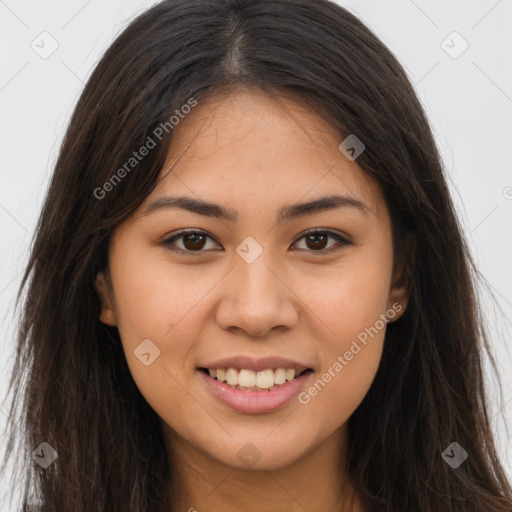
[401,286]
[107,315]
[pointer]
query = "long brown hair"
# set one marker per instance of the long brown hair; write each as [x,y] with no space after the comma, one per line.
[75,389]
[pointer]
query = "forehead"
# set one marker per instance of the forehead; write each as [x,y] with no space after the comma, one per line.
[249,145]
[245,118]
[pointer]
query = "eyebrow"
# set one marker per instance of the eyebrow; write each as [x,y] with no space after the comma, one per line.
[287,212]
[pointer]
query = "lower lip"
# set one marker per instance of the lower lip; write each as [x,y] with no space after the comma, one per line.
[254,402]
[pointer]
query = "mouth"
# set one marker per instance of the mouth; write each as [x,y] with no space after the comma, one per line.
[266,386]
[244,379]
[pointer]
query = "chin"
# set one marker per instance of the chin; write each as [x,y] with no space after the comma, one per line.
[260,454]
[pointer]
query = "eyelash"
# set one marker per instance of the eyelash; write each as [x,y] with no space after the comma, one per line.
[342,241]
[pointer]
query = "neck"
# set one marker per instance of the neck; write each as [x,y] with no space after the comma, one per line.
[316,481]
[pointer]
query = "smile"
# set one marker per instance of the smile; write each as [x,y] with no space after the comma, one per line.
[267,394]
[250,380]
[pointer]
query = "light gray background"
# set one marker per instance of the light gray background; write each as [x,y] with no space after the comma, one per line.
[468,100]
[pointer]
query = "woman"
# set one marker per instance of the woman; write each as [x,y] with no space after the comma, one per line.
[248,288]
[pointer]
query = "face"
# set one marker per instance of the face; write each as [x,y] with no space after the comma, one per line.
[256,290]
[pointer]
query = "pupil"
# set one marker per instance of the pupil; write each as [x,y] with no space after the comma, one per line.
[311,238]
[192,240]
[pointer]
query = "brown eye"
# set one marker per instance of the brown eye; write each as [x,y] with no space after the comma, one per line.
[190,242]
[194,241]
[316,241]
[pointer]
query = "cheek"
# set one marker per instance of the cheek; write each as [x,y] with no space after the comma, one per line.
[352,304]
[350,297]
[334,395]
[349,367]
[157,302]
[154,297]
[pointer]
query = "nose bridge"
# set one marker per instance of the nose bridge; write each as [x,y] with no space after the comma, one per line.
[252,269]
[258,298]
[257,282]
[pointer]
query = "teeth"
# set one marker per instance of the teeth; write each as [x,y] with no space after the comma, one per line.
[280,376]
[249,380]
[265,379]
[232,377]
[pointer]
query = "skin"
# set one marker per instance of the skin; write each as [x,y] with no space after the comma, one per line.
[253,154]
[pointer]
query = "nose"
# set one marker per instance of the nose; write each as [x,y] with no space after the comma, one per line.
[257,299]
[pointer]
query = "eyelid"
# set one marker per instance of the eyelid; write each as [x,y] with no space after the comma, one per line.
[341,239]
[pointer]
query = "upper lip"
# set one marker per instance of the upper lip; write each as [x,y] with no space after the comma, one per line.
[257,365]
